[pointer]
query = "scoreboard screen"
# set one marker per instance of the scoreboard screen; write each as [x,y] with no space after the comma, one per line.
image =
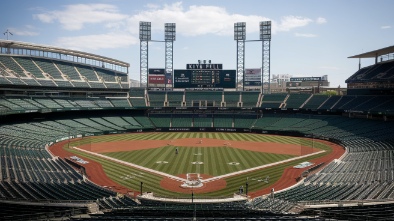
[204,78]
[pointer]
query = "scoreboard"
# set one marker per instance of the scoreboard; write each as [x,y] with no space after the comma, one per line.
[204,78]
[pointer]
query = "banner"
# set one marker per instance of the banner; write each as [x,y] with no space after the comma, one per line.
[306,79]
[156,79]
[169,78]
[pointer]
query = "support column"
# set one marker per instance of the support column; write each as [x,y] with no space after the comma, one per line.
[241,63]
[144,63]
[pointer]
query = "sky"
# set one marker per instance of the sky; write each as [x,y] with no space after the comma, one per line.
[309,37]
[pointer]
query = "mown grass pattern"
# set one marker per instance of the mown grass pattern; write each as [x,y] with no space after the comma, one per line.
[152,182]
[216,163]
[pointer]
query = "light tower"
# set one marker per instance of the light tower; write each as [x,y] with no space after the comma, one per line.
[240,37]
[169,38]
[145,37]
[8,33]
[265,37]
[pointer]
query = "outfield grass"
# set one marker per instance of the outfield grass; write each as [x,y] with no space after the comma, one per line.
[152,182]
[179,135]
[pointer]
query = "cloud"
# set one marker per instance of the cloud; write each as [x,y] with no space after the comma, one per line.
[288,23]
[74,17]
[385,27]
[194,20]
[201,20]
[95,42]
[305,35]
[321,20]
[28,30]
[152,6]
[191,21]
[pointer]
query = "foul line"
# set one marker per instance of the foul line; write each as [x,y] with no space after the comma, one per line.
[134,165]
[259,167]
[202,180]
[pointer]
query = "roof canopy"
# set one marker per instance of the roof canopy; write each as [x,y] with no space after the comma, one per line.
[375,53]
[25,45]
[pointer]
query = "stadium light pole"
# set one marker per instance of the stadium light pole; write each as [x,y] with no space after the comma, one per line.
[145,37]
[240,37]
[8,33]
[265,37]
[247,186]
[169,38]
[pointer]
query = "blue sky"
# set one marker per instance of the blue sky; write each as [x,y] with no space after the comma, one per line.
[310,38]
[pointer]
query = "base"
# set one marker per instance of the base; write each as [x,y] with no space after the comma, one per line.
[193,180]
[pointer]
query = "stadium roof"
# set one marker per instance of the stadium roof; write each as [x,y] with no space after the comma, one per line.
[30,46]
[375,53]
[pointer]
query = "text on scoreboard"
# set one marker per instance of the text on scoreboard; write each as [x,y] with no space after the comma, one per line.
[204,78]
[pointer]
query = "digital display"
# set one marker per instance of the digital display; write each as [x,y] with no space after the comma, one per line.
[204,78]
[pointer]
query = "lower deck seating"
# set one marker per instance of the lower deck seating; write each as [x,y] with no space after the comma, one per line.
[29,172]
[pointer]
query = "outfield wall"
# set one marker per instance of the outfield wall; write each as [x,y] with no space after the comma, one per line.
[201,129]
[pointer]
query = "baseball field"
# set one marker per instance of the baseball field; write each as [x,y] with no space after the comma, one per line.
[225,161]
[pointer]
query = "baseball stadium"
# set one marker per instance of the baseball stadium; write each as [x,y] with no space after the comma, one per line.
[201,143]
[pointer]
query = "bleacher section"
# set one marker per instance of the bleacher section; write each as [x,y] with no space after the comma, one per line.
[202,121]
[156,98]
[203,98]
[87,72]
[48,67]
[295,101]
[315,102]
[181,121]
[160,120]
[38,103]
[244,121]
[145,122]
[366,103]
[250,99]
[7,62]
[175,98]
[30,173]
[223,120]
[33,71]
[29,66]
[119,102]
[273,100]
[137,97]
[378,72]
[232,98]
[330,102]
